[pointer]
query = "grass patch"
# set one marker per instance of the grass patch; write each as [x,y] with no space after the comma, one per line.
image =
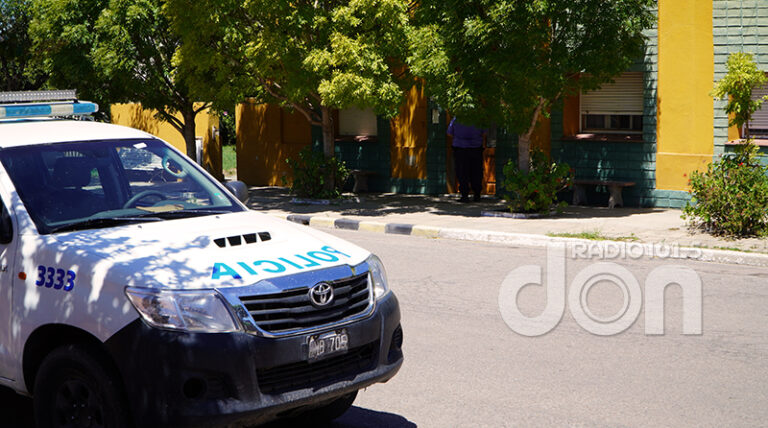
[594,235]
[229,159]
[717,247]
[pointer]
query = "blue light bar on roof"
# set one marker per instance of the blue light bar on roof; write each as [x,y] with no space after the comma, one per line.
[9,111]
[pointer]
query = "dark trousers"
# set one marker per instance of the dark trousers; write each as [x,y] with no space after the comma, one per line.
[469,169]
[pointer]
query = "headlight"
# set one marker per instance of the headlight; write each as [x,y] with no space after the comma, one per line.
[195,311]
[378,276]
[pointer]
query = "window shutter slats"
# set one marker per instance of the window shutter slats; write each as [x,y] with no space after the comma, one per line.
[357,122]
[624,96]
[760,117]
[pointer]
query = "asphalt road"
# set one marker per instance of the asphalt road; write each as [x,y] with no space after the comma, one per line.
[465,367]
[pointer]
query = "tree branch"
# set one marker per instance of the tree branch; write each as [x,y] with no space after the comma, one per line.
[202,107]
[171,119]
[313,120]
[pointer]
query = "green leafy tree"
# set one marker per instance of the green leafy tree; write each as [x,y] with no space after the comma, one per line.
[116,51]
[17,71]
[509,61]
[737,85]
[311,56]
[62,36]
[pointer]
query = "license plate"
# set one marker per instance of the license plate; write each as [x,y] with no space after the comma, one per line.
[326,344]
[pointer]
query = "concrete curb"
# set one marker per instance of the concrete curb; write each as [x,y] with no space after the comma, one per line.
[609,250]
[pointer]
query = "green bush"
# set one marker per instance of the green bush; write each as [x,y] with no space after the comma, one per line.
[312,173]
[227,128]
[536,191]
[731,197]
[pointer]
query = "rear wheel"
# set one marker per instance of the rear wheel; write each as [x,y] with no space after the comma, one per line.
[74,388]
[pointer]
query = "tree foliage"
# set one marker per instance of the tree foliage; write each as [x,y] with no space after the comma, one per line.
[17,71]
[62,33]
[308,55]
[117,51]
[737,85]
[509,61]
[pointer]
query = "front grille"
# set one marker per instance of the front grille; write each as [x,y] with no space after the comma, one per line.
[292,310]
[303,374]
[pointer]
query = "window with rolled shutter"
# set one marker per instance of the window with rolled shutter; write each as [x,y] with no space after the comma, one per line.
[615,107]
[356,122]
[758,126]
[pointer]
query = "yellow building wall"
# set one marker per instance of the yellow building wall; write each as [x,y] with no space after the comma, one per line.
[685,110]
[408,148]
[134,116]
[266,137]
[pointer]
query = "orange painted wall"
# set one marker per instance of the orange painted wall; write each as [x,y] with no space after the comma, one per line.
[571,115]
[541,137]
[134,116]
[409,137]
[266,137]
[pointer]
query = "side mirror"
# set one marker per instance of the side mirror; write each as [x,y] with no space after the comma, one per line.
[6,226]
[238,189]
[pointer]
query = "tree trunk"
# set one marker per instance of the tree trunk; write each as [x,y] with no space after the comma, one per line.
[327,133]
[188,131]
[524,140]
[328,144]
[524,152]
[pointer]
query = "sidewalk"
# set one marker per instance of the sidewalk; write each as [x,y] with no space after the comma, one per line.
[443,216]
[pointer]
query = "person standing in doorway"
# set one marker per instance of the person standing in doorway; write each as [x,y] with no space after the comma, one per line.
[468,157]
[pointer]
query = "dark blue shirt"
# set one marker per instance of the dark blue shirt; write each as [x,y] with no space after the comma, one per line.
[465,136]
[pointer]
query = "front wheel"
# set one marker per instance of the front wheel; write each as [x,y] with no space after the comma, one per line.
[74,388]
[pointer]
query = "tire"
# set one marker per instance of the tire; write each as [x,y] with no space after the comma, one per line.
[75,388]
[330,411]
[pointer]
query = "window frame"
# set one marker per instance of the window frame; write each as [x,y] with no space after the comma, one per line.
[608,114]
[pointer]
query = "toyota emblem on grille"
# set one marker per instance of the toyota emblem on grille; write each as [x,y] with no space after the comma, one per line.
[321,294]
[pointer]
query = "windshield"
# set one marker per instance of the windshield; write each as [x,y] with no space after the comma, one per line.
[70,186]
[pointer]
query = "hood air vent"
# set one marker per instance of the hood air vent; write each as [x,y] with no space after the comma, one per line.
[248,238]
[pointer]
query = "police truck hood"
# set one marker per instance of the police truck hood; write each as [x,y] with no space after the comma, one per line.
[212,251]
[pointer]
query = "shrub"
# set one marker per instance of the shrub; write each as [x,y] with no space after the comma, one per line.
[227,129]
[313,173]
[536,190]
[731,197]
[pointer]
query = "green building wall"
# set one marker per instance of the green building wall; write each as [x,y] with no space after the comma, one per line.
[738,26]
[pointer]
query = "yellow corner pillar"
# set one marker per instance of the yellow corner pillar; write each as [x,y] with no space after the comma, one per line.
[409,137]
[685,110]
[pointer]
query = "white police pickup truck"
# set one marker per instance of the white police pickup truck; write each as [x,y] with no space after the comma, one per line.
[135,290]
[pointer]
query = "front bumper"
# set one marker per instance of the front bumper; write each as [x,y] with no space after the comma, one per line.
[205,379]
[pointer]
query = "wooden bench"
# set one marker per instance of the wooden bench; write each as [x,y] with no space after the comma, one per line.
[614,188]
[361,179]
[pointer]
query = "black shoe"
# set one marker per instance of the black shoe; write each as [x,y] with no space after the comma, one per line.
[464,199]
[477,198]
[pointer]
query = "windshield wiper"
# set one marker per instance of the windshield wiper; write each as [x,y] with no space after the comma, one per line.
[168,215]
[98,222]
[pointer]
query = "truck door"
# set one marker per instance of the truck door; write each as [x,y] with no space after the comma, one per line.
[7,251]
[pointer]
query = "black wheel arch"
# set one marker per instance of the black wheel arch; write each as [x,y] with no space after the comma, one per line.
[48,337]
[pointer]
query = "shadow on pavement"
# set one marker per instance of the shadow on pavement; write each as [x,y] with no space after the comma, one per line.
[16,410]
[356,417]
[381,204]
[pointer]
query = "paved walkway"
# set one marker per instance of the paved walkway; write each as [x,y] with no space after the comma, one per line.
[428,215]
